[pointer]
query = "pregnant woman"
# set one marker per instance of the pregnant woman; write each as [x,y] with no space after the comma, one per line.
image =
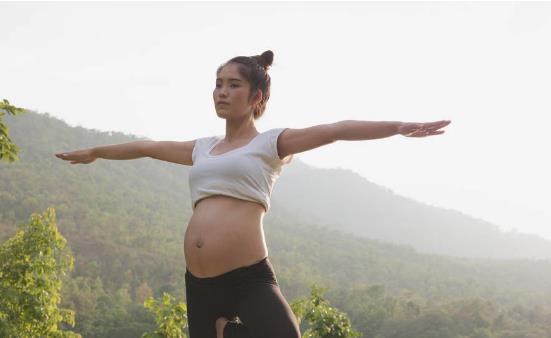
[231,287]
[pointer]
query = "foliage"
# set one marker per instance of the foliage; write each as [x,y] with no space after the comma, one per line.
[32,264]
[325,321]
[8,149]
[171,317]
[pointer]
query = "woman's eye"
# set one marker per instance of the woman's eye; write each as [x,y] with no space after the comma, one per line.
[233,85]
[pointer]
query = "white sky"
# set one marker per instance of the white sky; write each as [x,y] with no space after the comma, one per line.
[149,69]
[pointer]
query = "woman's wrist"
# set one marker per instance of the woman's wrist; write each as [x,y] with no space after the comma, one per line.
[93,152]
[398,126]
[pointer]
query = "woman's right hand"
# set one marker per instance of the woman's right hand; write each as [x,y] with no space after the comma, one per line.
[84,156]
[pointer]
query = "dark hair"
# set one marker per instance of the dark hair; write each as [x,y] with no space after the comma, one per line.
[255,70]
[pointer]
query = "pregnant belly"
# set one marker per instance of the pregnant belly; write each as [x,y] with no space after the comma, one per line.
[220,239]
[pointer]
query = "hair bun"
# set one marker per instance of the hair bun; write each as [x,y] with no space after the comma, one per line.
[265,59]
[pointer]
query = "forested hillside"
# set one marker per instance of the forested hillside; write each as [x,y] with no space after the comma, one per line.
[345,201]
[125,220]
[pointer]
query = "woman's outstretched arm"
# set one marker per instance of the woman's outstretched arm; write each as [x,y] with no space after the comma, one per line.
[125,151]
[292,141]
[368,130]
[169,151]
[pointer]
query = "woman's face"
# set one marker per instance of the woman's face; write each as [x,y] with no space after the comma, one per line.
[231,94]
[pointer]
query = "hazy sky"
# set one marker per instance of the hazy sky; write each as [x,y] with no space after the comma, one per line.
[148,69]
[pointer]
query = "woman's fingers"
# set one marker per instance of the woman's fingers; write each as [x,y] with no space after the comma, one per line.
[82,162]
[66,156]
[79,156]
[75,155]
[425,132]
[417,129]
[442,124]
[434,126]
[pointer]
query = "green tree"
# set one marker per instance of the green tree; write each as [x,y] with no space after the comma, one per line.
[325,321]
[8,149]
[170,316]
[32,263]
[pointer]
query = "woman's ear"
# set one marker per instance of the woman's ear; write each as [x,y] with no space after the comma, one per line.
[258,97]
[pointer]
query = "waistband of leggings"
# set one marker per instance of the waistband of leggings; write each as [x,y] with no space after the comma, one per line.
[227,276]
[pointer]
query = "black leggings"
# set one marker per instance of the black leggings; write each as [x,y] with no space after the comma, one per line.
[250,293]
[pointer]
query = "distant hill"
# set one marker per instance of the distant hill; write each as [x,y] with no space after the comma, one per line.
[343,200]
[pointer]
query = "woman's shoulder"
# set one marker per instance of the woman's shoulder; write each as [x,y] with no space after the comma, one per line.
[274,132]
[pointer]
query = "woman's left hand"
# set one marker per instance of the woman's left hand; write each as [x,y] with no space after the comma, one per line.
[414,129]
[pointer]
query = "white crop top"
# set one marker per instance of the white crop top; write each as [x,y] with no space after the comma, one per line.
[248,172]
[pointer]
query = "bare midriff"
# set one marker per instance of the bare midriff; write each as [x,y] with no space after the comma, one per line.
[223,234]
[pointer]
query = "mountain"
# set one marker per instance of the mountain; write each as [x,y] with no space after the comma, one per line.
[343,200]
